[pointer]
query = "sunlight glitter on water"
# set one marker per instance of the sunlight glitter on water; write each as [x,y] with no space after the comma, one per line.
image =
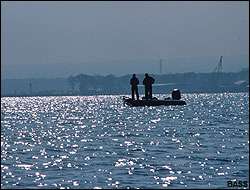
[97,142]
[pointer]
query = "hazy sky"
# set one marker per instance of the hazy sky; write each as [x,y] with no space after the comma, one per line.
[78,32]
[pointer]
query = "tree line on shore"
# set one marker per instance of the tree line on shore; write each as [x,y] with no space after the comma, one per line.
[187,82]
[83,84]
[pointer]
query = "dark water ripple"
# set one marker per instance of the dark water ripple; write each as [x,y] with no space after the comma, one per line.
[97,142]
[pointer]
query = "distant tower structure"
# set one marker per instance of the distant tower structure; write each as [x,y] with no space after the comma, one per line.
[218,76]
[160,66]
[218,68]
[30,87]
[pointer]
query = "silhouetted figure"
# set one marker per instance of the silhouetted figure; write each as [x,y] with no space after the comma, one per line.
[134,88]
[148,81]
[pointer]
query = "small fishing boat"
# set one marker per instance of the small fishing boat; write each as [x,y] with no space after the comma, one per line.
[175,100]
[152,102]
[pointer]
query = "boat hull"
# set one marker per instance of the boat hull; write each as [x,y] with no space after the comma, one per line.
[168,102]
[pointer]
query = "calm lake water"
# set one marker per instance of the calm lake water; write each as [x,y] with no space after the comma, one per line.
[97,142]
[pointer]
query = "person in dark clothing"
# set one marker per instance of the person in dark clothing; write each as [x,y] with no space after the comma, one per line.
[134,88]
[148,81]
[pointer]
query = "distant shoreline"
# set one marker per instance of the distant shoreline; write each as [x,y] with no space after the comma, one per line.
[87,85]
[16,96]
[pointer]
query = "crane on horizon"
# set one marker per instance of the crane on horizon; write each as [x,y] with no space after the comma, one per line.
[219,68]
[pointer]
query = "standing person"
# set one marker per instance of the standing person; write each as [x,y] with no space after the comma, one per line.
[134,88]
[148,81]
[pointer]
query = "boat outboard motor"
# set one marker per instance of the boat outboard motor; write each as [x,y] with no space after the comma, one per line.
[176,94]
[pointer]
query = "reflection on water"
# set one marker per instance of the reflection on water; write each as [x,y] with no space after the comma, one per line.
[97,142]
